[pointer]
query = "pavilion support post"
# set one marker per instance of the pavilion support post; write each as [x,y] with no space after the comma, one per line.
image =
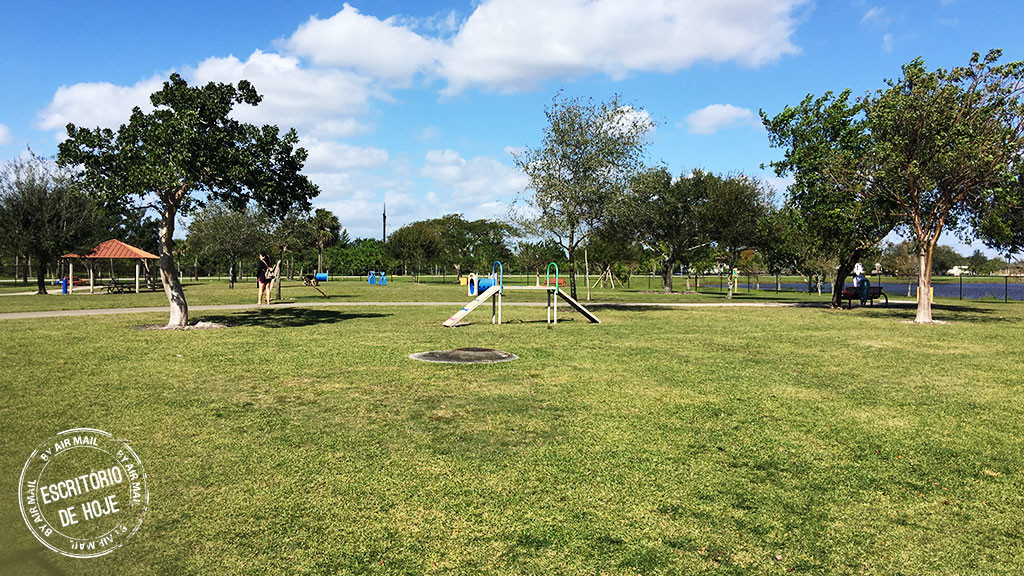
[71,276]
[92,282]
[136,277]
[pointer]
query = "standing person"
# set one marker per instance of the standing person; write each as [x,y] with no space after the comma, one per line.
[263,282]
[861,282]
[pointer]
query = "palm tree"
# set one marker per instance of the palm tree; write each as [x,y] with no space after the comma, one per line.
[327,232]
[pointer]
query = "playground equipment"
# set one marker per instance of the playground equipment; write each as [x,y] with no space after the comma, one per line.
[493,286]
[378,278]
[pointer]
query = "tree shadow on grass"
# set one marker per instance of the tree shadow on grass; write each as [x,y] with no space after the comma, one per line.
[38,557]
[286,317]
[627,307]
[948,313]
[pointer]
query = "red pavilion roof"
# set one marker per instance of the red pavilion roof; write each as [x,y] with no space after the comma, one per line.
[115,249]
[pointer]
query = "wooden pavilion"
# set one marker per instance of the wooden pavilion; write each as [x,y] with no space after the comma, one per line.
[111,250]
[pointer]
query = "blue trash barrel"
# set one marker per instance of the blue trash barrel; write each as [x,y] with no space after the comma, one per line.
[371,277]
[383,279]
[321,276]
[64,286]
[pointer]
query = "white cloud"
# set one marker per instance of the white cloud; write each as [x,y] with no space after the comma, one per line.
[381,48]
[630,118]
[430,132]
[92,104]
[473,182]
[318,102]
[715,117]
[322,103]
[5,134]
[327,156]
[874,14]
[777,183]
[357,198]
[513,45]
[887,42]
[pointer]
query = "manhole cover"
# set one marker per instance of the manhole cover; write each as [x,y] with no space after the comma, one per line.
[465,356]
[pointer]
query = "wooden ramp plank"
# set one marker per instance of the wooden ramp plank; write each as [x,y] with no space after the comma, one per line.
[579,307]
[458,316]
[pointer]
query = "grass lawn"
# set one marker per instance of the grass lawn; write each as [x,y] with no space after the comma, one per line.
[732,441]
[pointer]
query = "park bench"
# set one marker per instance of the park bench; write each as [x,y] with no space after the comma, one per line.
[851,293]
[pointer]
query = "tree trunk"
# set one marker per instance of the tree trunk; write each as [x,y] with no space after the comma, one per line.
[169,275]
[319,259]
[839,283]
[572,273]
[666,278]
[41,274]
[586,271]
[732,281]
[278,279]
[924,284]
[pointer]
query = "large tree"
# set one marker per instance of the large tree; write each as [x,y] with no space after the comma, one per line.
[785,244]
[828,151]
[44,212]
[186,149]
[999,218]
[326,233]
[947,142]
[731,214]
[668,217]
[218,231]
[587,159]
[417,244]
[536,256]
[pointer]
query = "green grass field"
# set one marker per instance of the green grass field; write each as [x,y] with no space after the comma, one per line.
[733,441]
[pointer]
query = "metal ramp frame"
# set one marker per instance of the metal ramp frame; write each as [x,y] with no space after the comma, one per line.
[480,299]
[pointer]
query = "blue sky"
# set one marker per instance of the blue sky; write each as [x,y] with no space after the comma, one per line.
[420,104]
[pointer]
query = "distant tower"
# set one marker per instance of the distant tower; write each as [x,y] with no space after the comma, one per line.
[384,227]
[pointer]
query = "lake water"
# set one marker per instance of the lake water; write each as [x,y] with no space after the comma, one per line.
[971,290]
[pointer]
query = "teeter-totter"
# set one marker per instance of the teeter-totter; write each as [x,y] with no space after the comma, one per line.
[491,287]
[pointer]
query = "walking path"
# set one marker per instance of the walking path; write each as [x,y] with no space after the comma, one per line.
[164,309]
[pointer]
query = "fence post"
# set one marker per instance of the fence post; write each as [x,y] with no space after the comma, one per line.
[961,277]
[1006,288]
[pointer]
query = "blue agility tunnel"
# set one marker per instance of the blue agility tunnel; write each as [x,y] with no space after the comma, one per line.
[321,276]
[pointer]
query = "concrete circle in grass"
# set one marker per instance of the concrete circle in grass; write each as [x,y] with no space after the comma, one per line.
[465,356]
